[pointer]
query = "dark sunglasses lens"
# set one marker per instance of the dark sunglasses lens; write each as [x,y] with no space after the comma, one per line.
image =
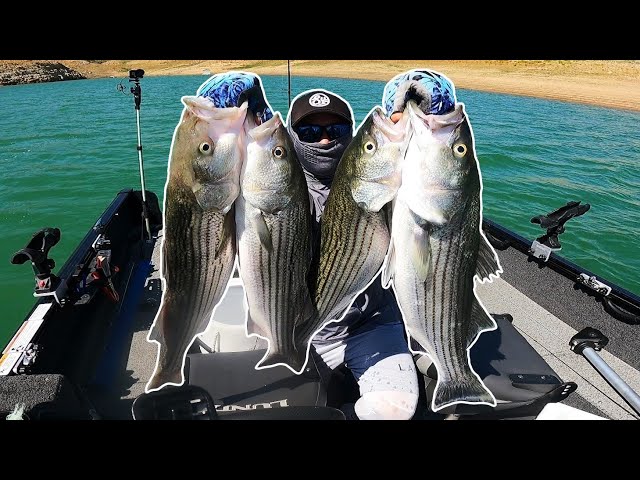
[337,130]
[309,133]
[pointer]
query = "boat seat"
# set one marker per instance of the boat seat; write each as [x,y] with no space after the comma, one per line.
[520,379]
[223,337]
[235,385]
[226,331]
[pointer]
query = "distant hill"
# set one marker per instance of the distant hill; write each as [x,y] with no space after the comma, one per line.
[607,83]
[18,72]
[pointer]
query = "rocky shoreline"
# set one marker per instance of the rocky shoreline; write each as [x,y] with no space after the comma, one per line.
[37,72]
[604,83]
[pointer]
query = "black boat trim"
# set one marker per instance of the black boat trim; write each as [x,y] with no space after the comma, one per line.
[76,267]
[620,303]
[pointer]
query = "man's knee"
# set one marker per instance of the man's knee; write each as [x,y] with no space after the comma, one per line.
[389,389]
[386,406]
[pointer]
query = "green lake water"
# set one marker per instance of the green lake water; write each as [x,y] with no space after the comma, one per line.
[67,148]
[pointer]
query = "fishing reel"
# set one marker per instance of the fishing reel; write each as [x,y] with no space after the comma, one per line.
[543,246]
[97,274]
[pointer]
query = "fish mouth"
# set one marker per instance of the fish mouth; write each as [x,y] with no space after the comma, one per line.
[266,129]
[436,122]
[393,132]
[204,108]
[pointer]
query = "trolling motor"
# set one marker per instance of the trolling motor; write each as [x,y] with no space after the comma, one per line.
[37,251]
[135,76]
[543,246]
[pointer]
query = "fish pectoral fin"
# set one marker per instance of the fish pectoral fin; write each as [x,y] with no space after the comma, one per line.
[420,252]
[372,196]
[389,266]
[488,261]
[262,229]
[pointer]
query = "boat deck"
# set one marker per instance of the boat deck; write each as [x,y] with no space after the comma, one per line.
[546,308]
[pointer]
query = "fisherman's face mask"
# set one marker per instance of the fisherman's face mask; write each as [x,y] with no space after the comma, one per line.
[320,159]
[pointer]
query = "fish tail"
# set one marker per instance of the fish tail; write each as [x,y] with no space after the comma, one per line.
[162,377]
[465,390]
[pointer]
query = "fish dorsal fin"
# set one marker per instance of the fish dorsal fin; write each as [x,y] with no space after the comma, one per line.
[488,262]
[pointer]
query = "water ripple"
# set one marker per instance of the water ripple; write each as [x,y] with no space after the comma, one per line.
[67,148]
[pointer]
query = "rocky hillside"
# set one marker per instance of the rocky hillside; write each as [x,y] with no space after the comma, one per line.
[14,72]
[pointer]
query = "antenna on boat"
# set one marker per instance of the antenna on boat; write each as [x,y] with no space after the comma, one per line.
[289,79]
[135,76]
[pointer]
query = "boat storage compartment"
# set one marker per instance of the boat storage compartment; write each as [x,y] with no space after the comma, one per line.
[235,385]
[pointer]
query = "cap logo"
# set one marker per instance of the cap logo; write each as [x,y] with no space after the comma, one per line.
[319,100]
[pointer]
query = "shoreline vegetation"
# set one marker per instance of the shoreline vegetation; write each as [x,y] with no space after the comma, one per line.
[605,83]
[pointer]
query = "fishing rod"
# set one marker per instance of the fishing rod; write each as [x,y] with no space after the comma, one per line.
[289,80]
[135,76]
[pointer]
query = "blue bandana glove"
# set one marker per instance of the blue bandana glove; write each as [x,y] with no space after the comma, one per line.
[433,93]
[232,89]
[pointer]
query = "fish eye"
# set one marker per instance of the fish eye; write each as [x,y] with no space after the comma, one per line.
[205,147]
[459,150]
[279,152]
[369,147]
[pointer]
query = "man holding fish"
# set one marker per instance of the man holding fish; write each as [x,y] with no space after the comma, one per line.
[348,315]
[369,339]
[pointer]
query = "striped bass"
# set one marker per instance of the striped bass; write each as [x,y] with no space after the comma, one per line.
[273,221]
[438,248]
[199,244]
[355,224]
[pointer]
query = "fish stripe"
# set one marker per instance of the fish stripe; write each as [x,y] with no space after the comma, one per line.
[432,317]
[335,295]
[457,302]
[273,279]
[194,276]
[261,253]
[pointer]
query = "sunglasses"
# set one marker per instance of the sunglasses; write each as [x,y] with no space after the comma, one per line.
[313,133]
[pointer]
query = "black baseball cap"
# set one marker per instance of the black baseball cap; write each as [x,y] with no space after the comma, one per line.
[315,101]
